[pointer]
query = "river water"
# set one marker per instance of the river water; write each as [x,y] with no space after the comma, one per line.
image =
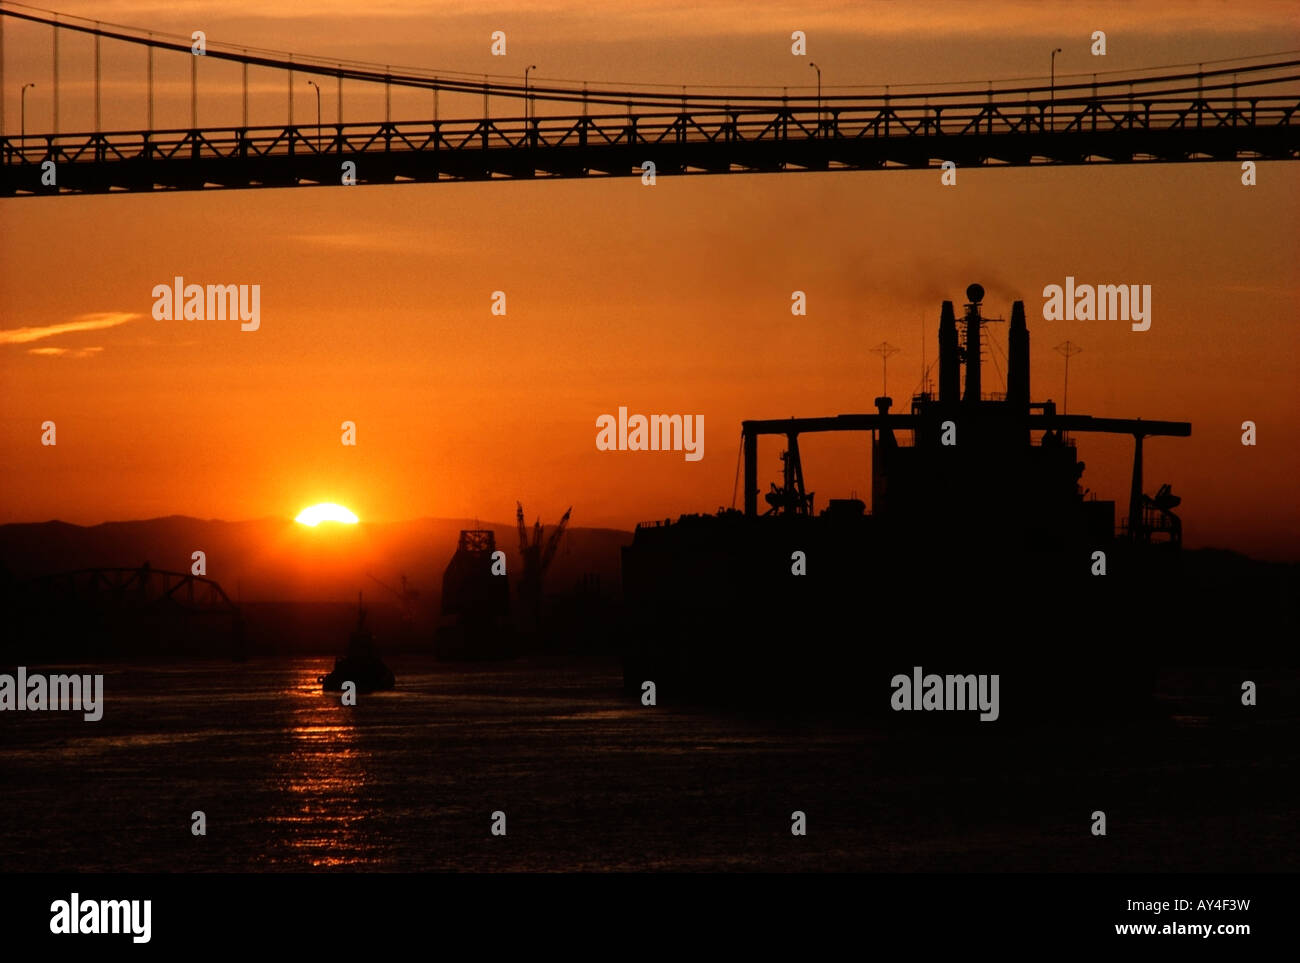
[289,779]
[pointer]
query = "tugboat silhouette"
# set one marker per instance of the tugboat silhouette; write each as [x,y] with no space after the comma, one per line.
[361,664]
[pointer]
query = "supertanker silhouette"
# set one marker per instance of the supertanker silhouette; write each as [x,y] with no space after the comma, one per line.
[981,553]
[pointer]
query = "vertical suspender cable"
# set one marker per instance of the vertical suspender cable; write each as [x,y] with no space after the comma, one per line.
[56,78]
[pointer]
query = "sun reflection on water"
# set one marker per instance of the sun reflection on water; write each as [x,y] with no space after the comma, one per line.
[324,780]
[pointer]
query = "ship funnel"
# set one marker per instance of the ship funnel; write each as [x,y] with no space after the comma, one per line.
[949,369]
[976,294]
[1018,359]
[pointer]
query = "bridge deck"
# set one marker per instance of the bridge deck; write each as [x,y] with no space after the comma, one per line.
[748,140]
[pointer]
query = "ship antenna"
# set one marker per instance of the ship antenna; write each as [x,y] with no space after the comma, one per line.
[1069,349]
[884,349]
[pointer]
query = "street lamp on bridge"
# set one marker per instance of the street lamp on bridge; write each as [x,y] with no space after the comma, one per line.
[819,95]
[317,86]
[22,112]
[527,112]
[1053,88]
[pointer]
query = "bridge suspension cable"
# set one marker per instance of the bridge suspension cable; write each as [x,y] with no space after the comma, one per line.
[1125,88]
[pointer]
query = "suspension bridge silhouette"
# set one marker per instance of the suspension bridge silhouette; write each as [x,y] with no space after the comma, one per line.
[1241,111]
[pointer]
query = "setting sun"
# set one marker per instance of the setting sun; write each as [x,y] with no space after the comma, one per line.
[326,512]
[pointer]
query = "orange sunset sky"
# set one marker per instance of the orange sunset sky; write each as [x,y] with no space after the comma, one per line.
[375,300]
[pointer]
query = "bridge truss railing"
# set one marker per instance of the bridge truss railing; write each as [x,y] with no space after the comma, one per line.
[751,125]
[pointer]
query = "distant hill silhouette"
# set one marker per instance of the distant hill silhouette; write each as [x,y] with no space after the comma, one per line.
[275,560]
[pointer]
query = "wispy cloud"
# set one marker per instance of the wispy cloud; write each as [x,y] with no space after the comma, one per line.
[66,352]
[394,242]
[84,322]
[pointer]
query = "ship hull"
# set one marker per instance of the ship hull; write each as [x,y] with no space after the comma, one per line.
[806,614]
[368,675]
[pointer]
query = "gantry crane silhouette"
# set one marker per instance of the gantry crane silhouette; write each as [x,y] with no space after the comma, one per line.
[536,555]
